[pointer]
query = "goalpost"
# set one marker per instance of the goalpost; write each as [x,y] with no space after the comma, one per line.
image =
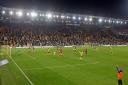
[5,51]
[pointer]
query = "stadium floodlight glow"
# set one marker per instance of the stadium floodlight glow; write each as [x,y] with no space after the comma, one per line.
[19,13]
[74,17]
[79,18]
[113,21]
[100,20]
[49,15]
[62,16]
[125,22]
[109,21]
[90,19]
[121,22]
[117,22]
[85,19]
[33,14]
[28,14]
[67,17]
[40,15]
[3,12]
[11,12]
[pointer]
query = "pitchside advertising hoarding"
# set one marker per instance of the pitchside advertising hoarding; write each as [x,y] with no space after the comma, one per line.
[3,62]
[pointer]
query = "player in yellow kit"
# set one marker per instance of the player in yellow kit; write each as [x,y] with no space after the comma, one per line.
[74,49]
[60,51]
[48,51]
[83,53]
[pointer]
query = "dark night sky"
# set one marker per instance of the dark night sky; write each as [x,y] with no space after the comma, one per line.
[109,8]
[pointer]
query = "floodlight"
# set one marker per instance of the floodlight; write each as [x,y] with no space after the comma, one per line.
[100,20]
[28,14]
[19,13]
[74,17]
[85,19]
[33,14]
[49,15]
[67,17]
[90,19]
[109,21]
[117,22]
[121,22]
[125,22]
[3,12]
[62,16]
[40,15]
[105,20]
[11,12]
[79,18]
[113,21]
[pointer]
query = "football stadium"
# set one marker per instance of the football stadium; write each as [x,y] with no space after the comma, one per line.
[53,48]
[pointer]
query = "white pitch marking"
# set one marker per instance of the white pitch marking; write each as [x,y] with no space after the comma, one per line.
[62,66]
[33,68]
[21,70]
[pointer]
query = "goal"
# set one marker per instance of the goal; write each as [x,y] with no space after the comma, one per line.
[5,51]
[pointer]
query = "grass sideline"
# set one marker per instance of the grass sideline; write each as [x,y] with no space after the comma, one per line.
[42,69]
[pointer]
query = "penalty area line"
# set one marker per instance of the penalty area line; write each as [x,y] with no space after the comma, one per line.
[65,66]
[21,71]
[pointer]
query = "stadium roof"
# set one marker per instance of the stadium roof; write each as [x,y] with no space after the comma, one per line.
[57,16]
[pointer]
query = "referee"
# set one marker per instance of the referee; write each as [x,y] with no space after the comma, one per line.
[120,75]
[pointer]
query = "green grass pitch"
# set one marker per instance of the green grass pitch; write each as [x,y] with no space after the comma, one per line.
[43,69]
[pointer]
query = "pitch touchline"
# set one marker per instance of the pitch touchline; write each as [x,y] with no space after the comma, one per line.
[21,71]
[61,66]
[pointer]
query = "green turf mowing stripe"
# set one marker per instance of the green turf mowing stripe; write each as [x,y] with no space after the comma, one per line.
[51,73]
[21,71]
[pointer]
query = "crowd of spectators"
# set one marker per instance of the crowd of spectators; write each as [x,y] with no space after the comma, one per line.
[25,34]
